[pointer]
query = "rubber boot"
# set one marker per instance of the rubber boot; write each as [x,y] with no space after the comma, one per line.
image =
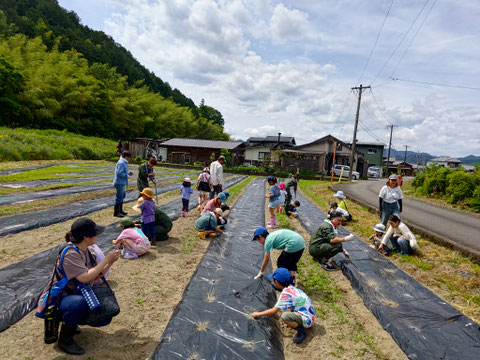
[301,335]
[66,342]
[270,224]
[153,240]
[121,210]
[274,220]
[117,212]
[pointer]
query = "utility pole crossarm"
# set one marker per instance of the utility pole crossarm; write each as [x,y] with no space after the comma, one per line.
[354,141]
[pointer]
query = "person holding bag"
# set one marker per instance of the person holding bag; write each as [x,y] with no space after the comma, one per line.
[78,265]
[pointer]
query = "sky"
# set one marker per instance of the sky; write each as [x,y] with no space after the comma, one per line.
[290,66]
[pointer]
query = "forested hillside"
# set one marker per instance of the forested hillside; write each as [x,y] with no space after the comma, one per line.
[57,73]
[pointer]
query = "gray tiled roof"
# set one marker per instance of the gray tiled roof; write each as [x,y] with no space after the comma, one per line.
[446,159]
[201,143]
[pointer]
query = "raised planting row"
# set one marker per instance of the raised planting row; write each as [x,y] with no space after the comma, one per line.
[213,319]
[21,283]
[423,325]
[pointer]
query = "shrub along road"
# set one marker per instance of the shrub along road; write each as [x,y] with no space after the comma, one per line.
[457,229]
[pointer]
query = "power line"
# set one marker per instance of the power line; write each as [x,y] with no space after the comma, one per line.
[375,43]
[437,84]
[346,115]
[400,42]
[413,38]
[367,129]
[381,84]
[376,102]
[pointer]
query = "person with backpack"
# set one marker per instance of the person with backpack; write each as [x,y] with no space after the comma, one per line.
[76,265]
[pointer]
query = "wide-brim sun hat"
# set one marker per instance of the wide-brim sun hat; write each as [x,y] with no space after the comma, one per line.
[137,206]
[218,211]
[148,193]
[379,227]
[339,194]
[187,180]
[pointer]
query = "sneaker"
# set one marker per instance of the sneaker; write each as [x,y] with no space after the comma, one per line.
[129,253]
[328,265]
[301,335]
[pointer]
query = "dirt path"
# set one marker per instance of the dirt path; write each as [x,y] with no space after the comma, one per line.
[344,329]
[148,290]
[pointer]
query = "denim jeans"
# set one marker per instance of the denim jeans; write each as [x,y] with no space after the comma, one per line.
[387,210]
[402,245]
[120,194]
[74,309]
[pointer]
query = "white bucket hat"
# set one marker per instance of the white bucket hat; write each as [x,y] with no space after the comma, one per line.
[339,194]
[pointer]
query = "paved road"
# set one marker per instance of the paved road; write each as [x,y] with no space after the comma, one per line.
[458,229]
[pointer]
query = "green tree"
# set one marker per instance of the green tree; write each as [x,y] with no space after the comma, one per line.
[11,83]
[210,113]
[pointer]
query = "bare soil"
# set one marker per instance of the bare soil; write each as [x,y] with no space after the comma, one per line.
[148,290]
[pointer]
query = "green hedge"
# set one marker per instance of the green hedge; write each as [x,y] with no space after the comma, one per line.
[26,144]
[454,185]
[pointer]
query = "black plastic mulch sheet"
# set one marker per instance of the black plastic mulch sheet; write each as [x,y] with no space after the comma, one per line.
[24,197]
[22,222]
[23,282]
[69,180]
[422,324]
[212,321]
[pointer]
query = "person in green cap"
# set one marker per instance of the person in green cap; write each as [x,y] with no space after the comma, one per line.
[291,243]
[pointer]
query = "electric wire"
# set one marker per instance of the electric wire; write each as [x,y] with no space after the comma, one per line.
[346,115]
[376,102]
[401,41]
[367,111]
[413,38]
[375,43]
[436,84]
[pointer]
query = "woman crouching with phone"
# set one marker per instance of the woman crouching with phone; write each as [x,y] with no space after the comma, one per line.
[79,266]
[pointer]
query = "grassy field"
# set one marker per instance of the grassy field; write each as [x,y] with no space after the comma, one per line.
[446,272]
[28,144]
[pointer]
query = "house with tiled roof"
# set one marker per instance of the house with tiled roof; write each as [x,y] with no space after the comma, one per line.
[445,161]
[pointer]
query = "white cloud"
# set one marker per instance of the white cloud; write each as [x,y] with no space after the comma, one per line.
[287,24]
[287,66]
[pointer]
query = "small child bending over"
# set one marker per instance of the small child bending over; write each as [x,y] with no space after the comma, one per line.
[132,239]
[302,314]
[291,209]
[376,238]
[186,190]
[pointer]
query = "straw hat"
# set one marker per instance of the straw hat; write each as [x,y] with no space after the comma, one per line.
[137,207]
[148,193]
[379,227]
[218,211]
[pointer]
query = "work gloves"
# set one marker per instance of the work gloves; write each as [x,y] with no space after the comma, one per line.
[349,237]
[259,275]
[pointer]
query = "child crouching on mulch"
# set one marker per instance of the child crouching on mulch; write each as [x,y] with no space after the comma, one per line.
[376,238]
[132,239]
[186,190]
[147,207]
[207,224]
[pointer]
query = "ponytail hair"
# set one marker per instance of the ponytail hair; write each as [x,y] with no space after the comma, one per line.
[70,238]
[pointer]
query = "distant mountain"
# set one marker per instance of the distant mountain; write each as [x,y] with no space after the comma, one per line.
[423,158]
[412,157]
[470,160]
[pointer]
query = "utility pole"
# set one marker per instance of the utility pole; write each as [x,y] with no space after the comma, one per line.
[405,160]
[389,147]
[354,142]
